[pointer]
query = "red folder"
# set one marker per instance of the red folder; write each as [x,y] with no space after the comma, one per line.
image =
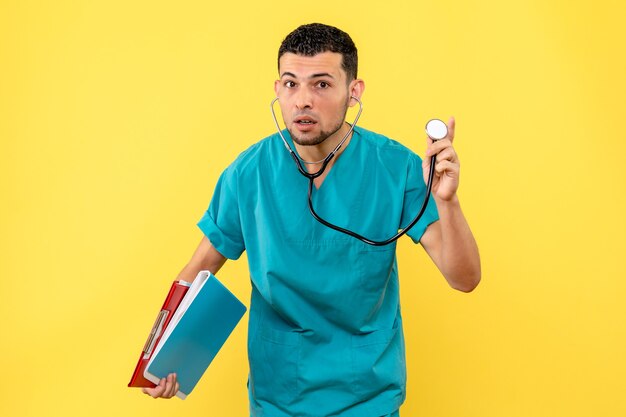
[174,297]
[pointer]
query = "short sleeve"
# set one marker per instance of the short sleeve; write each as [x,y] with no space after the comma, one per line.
[414,194]
[221,222]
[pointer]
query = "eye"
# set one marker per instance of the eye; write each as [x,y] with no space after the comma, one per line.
[289,84]
[323,84]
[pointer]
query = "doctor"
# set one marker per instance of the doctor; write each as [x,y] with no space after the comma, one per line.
[325,328]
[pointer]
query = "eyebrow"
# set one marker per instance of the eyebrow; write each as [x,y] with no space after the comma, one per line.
[316,75]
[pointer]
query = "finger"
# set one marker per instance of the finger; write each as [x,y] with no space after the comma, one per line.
[174,386]
[446,167]
[426,162]
[438,146]
[447,154]
[169,387]
[451,128]
[157,391]
[162,387]
[153,392]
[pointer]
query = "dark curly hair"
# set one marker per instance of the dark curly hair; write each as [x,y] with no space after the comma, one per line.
[315,38]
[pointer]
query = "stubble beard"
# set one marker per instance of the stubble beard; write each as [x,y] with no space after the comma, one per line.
[323,134]
[317,139]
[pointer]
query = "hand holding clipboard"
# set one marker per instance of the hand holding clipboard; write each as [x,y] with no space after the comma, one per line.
[192,326]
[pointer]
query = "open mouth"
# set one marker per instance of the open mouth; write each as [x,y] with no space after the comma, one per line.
[304,121]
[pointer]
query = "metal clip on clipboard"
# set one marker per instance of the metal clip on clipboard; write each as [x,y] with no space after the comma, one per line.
[157,330]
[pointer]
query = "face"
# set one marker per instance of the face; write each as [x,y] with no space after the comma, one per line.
[314,95]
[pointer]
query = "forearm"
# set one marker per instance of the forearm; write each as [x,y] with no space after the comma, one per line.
[205,258]
[459,258]
[190,271]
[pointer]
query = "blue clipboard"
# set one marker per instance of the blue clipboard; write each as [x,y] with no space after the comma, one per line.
[201,324]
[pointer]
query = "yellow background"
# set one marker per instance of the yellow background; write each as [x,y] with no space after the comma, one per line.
[116,118]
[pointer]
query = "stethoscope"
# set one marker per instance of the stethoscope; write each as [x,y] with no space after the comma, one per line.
[435,129]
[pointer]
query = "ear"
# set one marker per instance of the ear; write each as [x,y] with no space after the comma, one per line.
[356,88]
[276,86]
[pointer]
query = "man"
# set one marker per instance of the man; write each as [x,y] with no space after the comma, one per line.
[325,330]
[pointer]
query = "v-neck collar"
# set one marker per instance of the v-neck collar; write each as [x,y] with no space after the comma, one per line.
[347,151]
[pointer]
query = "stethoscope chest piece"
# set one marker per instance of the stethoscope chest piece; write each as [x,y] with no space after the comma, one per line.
[436,129]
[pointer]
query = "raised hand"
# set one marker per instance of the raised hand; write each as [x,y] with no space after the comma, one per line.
[447,166]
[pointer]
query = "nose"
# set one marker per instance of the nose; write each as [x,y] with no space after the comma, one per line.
[303,98]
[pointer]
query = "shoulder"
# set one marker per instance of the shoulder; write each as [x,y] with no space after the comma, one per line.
[386,148]
[255,156]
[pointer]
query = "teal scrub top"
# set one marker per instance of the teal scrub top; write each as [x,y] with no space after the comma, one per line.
[325,330]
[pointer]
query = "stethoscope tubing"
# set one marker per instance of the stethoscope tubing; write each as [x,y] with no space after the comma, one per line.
[392,239]
[326,161]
